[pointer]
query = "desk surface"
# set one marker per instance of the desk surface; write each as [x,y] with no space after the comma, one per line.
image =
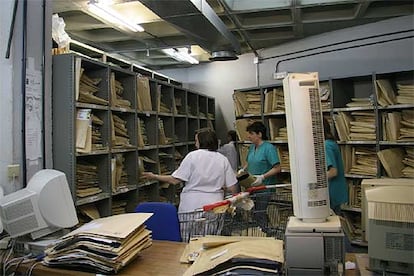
[162,258]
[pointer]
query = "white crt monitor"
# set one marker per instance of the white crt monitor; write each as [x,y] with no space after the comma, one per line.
[43,207]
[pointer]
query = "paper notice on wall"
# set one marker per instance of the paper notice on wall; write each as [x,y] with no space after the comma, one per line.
[34,114]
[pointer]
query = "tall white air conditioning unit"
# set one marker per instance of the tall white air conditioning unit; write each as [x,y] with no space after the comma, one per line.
[313,239]
[306,147]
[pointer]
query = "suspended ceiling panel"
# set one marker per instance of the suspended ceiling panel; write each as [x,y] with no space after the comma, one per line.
[206,26]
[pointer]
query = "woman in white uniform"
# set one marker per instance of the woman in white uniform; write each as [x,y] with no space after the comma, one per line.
[205,172]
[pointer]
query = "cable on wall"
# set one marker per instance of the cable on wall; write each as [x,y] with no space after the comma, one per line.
[340,49]
[337,43]
[23,87]
[43,81]
[16,2]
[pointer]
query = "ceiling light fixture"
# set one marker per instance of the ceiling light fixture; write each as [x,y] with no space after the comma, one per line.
[181,54]
[106,13]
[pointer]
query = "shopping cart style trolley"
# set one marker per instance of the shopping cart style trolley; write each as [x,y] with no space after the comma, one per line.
[200,222]
[268,216]
[259,211]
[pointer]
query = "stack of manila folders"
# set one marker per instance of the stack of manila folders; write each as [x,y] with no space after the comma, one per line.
[103,245]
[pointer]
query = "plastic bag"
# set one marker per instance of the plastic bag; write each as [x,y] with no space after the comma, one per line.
[59,34]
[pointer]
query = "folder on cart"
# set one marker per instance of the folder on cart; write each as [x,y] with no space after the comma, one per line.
[259,254]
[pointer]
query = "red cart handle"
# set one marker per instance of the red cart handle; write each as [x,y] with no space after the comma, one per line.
[212,206]
[264,187]
[227,201]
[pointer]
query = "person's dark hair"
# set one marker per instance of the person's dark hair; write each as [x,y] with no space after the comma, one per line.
[257,127]
[207,139]
[232,134]
[327,130]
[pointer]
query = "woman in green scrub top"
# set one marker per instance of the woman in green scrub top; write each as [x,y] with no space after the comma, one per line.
[338,191]
[263,162]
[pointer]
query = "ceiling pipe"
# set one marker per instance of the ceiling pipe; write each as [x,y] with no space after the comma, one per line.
[198,21]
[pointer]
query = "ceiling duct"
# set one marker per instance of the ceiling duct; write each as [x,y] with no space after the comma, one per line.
[198,21]
[223,56]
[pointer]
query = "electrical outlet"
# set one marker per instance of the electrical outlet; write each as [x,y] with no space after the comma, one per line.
[279,75]
[13,170]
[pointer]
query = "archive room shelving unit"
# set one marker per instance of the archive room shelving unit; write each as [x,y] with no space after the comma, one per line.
[110,123]
[372,115]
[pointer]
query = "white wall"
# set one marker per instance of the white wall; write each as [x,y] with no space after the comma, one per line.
[220,79]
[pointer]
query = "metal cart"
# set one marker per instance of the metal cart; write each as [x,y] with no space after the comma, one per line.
[268,217]
[260,211]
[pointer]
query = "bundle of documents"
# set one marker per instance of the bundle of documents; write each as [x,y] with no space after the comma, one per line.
[211,255]
[179,107]
[274,101]
[278,129]
[117,91]
[119,207]
[385,93]
[354,191]
[247,103]
[162,137]
[165,162]
[362,126]
[87,212]
[405,93]
[364,161]
[284,158]
[142,133]
[407,125]
[391,160]
[162,105]
[103,245]
[147,164]
[355,126]
[88,88]
[408,161]
[119,173]
[120,137]
[178,157]
[97,142]
[87,181]
[360,102]
[352,226]
[143,94]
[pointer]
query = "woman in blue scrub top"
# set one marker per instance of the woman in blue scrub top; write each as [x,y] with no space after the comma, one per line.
[262,158]
[263,162]
[338,191]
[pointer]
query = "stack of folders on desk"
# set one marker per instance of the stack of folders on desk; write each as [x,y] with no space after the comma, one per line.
[235,255]
[103,245]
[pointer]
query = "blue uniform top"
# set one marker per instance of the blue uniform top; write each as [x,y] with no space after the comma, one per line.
[338,190]
[261,160]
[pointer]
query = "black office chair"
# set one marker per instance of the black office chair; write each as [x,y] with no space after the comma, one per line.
[164,222]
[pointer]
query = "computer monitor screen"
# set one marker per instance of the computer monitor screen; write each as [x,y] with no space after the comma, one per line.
[43,207]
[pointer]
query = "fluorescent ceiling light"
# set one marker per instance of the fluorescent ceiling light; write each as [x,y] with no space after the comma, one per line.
[106,13]
[180,54]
